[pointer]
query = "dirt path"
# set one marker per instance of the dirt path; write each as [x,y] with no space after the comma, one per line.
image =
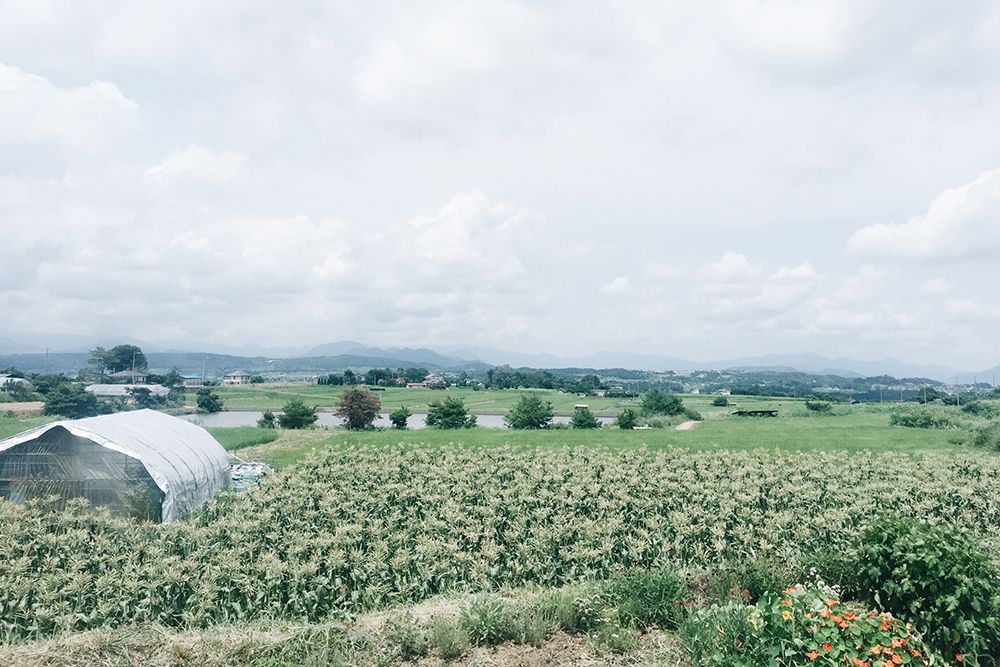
[25,409]
[686,426]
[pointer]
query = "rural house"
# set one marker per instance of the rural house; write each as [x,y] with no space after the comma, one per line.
[237,377]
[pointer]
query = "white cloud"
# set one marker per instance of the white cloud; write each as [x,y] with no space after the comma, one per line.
[81,118]
[197,163]
[618,286]
[233,171]
[731,269]
[961,223]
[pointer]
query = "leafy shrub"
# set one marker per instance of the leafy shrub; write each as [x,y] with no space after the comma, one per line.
[407,635]
[645,599]
[987,436]
[724,636]
[399,417]
[720,401]
[591,612]
[529,625]
[693,415]
[584,418]
[486,621]
[448,639]
[530,412]
[747,580]
[981,409]
[801,626]
[919,418]
[627,419]
[656,402]
[820,407]
[295,414]
[449,413]
[558,609]
[939,578]
[267,420]
[207,400]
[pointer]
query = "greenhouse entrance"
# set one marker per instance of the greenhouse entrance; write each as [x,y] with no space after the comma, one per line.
[58,466]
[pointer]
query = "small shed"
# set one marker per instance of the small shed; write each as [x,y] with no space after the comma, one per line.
[143,463]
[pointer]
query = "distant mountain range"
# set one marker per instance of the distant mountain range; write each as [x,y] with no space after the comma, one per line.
[337,356]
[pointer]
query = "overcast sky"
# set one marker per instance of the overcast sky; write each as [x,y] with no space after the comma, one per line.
[698,179]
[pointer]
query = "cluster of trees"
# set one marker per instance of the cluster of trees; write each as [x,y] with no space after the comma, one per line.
[118,358]
[375,377]
[505,377]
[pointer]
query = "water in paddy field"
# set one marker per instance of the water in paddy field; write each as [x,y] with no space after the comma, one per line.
[416,420]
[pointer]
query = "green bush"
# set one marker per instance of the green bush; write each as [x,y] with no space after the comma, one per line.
[267,420]
[486,621]
[919,418]
[584,418]
[399,417]
[646,599]
[724,635]
[530,412]
[407,635]
[558,609]
[801,626]
[448,639]
[939,578]
[656,402]
[987,409]
[747,580]
[627,419]
[208,401]
[720,401]
[820,407]
[449,413]
[692,415]
[987,436]
[296,414]
[528,625]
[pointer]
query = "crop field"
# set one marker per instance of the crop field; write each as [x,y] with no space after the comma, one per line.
[361,527]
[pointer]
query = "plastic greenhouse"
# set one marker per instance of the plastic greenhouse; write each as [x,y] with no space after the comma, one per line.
[144,464]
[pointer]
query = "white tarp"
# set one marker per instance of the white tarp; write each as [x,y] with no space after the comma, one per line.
[184,461]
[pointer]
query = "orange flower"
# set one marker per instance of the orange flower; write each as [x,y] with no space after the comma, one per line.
[812,655]
[827,647]
[786,614]
[958,657]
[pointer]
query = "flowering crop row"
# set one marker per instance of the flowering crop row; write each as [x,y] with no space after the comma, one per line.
[362,527]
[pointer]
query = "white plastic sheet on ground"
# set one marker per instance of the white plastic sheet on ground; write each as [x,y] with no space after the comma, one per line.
[183,460]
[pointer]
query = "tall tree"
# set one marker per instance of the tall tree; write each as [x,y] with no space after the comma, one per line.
[358,408]
[118,358]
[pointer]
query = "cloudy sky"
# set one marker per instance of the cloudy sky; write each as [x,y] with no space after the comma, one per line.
[697,179]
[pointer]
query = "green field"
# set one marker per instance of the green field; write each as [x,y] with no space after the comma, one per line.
[488,401]
[861,430]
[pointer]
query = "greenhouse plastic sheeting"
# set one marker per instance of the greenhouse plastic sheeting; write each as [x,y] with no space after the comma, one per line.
[139,463]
